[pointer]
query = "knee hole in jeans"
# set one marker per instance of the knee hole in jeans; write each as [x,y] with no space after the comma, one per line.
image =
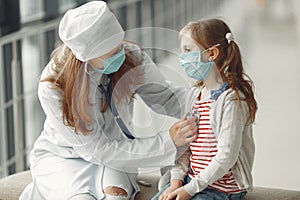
[115,191]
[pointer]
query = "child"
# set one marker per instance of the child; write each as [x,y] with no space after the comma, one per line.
[218,164]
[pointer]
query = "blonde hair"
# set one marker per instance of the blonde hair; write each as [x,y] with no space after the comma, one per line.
[210,32]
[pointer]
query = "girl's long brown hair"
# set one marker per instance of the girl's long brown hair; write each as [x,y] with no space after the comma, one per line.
[210,32]
[70,79]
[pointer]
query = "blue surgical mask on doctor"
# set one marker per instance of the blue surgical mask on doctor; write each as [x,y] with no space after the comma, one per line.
[193,66]
[113,63]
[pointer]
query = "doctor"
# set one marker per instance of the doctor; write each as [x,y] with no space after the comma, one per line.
[87,149]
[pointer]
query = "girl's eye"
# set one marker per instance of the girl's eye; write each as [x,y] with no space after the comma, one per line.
[187,50]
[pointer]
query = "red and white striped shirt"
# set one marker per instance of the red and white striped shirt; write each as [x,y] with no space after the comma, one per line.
[205,148]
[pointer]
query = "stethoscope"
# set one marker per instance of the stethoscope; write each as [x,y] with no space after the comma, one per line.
[108,96]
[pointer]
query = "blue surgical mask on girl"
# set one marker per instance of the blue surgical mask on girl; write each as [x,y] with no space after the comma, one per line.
[193,66]
[113,63]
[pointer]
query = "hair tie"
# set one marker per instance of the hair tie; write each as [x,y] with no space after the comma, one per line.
[229,37]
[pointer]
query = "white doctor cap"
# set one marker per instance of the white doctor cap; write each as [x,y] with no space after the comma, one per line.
[90,30]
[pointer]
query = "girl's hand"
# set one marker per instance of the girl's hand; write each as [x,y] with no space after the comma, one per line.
[175,184]
[179,194]
[184,131]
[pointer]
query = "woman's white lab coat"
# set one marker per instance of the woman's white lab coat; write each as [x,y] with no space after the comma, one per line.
[64,164]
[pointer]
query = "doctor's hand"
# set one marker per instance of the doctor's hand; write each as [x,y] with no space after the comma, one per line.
[184,131]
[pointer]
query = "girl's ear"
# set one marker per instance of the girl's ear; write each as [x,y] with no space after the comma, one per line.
[214,52]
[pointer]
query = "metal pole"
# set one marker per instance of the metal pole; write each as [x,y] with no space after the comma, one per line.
[18,133]
[3,139]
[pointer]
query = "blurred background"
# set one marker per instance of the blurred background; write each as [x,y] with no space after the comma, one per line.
[267,31]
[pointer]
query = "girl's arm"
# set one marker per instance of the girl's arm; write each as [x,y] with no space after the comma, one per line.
[178,172]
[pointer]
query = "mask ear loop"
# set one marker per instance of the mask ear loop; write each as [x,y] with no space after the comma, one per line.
[216,45]
[210,48]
